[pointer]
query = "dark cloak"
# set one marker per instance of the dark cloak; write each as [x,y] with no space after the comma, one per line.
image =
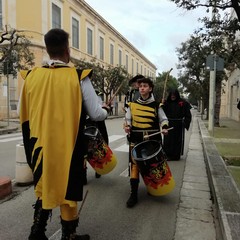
[179,117]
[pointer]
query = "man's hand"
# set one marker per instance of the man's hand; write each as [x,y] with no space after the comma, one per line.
[164,131]
[106,107]
[127,129]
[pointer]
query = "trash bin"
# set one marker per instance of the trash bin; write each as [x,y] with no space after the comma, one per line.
[23,173]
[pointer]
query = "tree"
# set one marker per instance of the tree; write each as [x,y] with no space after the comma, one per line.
[194,77]
[219,33]
[107,80]
[192,57]
[116,80]
[216,4]
[15,51]
[159,85]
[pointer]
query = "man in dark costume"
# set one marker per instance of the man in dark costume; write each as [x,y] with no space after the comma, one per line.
[179,117]
[54,102]
[133,92]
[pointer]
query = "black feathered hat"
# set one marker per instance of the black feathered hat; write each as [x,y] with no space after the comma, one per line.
[134,79]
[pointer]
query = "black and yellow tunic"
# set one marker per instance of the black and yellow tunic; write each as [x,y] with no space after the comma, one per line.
[52,118]
[145,117]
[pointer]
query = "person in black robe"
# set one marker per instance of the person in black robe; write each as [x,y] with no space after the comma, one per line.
[179,116]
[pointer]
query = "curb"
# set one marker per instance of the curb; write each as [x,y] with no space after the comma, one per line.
[5,187]
[8,130]
[225,193]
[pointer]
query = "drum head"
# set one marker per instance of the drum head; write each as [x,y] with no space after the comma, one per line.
[146,150]
[91,131]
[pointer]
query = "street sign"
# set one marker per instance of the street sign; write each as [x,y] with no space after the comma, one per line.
[214,58]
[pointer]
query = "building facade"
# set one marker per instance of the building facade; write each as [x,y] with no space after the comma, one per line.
[91,37]
[231,96]
[231,90]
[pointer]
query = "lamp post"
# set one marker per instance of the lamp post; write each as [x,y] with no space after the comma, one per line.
[212,95]
[214,63]
[8,96]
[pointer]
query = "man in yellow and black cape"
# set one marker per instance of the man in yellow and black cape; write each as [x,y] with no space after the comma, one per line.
[54,102]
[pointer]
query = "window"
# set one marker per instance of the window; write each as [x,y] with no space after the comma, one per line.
[89,41]
[1,20]
[127,62]
[120,57]
[111,53]
[132,66]
[56,16]
[101,53]
[75,33]
[137,68]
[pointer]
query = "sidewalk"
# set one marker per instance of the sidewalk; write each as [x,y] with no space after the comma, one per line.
[5,182]
[12,125]
[225,194]
[195,215]
[210,201]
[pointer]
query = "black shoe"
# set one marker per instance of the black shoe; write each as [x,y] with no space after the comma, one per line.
[40,236]
[69,231]
[40,222]
[97,175]
[132,201]
[79,237]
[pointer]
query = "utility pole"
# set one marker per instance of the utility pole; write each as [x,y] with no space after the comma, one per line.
[212,95]
[8,96]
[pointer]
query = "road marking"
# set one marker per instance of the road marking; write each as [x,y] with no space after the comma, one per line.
[125,173]
[15,137]
[122,148]
[113,138]
[56,235]
[10,139]
[10,135]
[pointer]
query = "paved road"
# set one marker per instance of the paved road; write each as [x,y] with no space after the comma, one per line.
[190,204]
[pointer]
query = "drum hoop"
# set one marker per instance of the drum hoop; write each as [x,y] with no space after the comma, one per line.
[89,134]
[149,157]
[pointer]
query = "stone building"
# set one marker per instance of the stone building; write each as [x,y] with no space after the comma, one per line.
[91,36]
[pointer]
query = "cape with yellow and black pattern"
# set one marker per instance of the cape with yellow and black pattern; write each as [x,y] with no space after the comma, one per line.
[52,118]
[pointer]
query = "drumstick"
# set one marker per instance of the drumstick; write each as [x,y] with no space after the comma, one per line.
[80,209]
[165,85]
[147,136]
[113,96]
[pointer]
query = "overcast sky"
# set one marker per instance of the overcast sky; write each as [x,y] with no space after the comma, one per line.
[155,27]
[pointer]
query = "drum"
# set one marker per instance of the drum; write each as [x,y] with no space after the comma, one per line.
[99,155]
[153,167]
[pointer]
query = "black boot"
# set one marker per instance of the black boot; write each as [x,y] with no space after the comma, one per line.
[97,175]
[133,199]
[40,222]
[69,231]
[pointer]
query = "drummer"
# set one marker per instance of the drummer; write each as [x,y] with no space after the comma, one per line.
[143,117]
